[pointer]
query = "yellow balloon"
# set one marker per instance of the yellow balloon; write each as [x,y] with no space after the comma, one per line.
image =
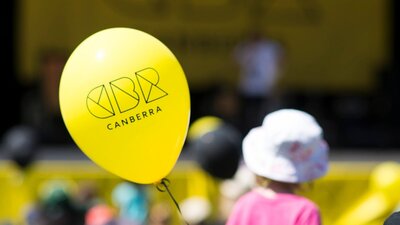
[125,101]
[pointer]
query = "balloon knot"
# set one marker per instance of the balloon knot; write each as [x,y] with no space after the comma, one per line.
[162,185]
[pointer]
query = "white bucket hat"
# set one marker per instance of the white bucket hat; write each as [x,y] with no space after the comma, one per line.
[288,147]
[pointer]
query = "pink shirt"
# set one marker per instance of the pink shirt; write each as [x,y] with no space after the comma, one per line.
[283,209]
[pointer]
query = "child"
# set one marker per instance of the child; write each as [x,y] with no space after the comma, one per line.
[286,151]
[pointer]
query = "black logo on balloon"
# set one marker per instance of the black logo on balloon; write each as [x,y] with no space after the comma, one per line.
[124,94]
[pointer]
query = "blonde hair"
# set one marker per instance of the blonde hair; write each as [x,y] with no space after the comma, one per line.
[265,182]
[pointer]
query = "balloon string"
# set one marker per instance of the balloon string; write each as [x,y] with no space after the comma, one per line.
[163,187]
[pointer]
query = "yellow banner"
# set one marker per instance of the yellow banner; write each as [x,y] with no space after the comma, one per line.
[330,45]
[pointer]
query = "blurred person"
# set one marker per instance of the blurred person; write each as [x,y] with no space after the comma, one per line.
[226,105]
[260,61]
[86,196]
[101,214]
[215,145]
[393,219]
[40,104]
[20,143]
[104,214]
[160,214]
[196,210]
[230,190]
[56,204]
[286,151]
[33,215]
[61,200]
[131,202]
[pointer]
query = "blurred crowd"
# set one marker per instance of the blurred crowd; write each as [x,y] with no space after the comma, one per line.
[68,202]
[62,202]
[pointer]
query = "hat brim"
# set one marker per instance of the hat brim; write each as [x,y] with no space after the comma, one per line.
[263,158]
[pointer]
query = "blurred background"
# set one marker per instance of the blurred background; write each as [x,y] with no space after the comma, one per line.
[334,59]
